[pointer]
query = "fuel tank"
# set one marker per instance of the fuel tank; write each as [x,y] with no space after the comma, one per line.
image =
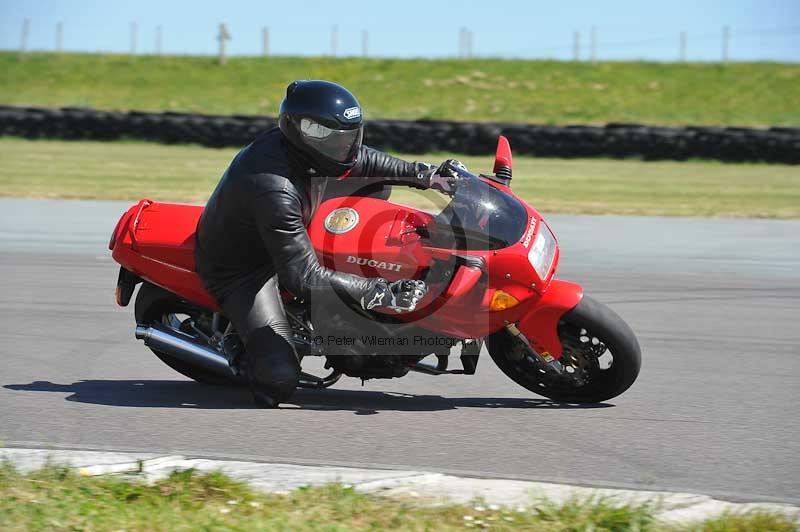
[370,237]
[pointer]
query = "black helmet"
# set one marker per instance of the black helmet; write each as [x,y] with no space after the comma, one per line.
[322,121]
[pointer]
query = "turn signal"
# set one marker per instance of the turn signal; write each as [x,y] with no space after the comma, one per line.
[502,300]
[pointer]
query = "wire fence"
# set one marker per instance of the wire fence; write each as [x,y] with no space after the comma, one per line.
[586,45]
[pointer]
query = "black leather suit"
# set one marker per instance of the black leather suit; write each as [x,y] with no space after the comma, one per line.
[251,238]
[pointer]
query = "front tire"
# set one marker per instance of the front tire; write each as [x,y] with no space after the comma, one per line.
[156,305]
[601,357]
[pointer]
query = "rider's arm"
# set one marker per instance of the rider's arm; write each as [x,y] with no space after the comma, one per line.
[376,167]
[277,210]
[280,223]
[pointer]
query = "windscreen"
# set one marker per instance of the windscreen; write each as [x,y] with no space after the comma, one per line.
[479,217]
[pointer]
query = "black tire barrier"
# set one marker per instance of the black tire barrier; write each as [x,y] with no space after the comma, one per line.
[621,140]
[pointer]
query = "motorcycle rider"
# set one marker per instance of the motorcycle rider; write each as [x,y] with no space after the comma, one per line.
[252,236]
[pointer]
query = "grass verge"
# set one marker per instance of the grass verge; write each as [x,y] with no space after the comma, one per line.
[131,170]
[56,498]
[745,94]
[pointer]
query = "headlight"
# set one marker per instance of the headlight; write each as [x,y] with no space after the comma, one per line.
[543,251]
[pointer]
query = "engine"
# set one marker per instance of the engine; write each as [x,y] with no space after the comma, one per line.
[358,346]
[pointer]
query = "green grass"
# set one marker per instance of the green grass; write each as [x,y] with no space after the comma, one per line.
[747,94]
[56,498]
[131,170]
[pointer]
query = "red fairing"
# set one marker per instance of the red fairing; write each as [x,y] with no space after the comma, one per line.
[377,238]
[463,281]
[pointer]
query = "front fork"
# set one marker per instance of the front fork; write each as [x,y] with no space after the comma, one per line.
[545,358]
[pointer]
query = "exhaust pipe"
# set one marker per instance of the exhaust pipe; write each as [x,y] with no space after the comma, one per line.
[184,348]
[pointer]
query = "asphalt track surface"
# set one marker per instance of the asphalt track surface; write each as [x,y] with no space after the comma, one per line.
[715,304]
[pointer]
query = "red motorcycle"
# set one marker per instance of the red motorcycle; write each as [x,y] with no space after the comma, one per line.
[488,258]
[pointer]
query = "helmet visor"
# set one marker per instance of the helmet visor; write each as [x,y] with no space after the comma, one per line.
[341,145]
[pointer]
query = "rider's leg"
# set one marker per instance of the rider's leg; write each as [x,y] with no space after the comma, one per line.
[257,312]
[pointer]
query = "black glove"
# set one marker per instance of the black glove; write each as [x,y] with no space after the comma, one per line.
[400,296]
[445,178]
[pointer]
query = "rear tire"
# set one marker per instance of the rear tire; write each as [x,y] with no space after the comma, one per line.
[152,305]
[585,331]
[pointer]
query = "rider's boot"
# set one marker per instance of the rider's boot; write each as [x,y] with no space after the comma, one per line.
[272,368]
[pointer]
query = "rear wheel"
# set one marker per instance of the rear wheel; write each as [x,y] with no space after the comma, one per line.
[156,305]
[601,357]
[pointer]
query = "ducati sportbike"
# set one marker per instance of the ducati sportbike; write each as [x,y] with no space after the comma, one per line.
[487,256]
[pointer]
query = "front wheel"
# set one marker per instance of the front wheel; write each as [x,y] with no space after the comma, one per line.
[600,360]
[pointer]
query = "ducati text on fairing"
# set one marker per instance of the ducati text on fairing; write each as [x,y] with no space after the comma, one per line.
[378,265]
